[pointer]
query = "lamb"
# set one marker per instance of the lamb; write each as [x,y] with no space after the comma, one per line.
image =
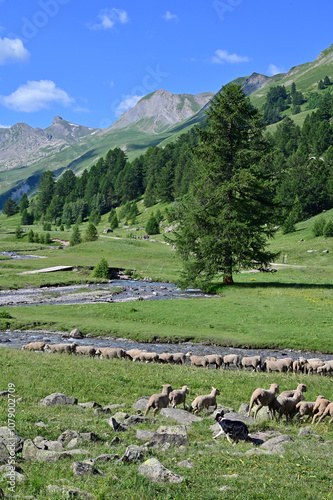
[85,350]
[131,353]
[159,401]
[62,348]
[290,394]
[251,362]
[34,346]
[232,359]
[110,352]
[263,397]
[215,359]
[205,401]
[287,405]
[305,408]
[328,411]
[199,361]
[320,406]
[178,396]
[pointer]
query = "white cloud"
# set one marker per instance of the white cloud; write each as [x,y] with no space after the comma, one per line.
[222,56]
[5,126]
[170,17]
[128,102]
[274,70]
[12,50]
[34,96]
[108,18]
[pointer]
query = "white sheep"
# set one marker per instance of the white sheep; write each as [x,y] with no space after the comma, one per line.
[287,405]
[298,365]
[85,350]
[215,359]
[159,401]
[232,359]
[312,365]
[148,357]
[199,361]
[34,346]
[320,406]
[131,353]
[278,365]
[110,352]
[326,368]
[62,348]
[205,401]
[251,362]
[177,397]
[263,397]
[179,358]
[305,408]
[165,357]
[290,394]
[328,411]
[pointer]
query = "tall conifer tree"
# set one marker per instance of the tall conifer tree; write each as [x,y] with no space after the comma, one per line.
[227,217]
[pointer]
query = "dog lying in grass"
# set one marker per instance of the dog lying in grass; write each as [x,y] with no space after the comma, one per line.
[234,429]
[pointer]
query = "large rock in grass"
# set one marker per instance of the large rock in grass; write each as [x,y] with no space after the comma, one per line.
[275,444]
[57,398]
[4,454]
[68,492]
[157,472]
[10,439]
[133,453]
[180,416]
[175,435]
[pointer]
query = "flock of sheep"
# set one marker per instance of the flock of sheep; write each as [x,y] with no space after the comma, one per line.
[257,363]
[288,403]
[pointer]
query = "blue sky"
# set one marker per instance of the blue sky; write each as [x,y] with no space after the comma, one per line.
[90,61]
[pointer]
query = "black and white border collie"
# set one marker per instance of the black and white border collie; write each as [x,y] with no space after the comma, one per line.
[234,429]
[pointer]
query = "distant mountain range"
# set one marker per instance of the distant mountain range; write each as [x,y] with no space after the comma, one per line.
[156,119]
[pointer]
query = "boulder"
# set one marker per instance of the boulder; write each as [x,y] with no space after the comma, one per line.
[106,457]
[116,426]
[44,444]
[180,416]
[10,438]
[90,404]
[57,398]
[174,435]
[68,492]
[132,454]
[4,454]
[141,403]
[76,334]
[144,435]
[67,436]
[137,419]
[275,444]
[84,468]
[157,472]
[185,463]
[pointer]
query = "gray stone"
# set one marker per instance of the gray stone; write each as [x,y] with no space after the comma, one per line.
[260,437]
[243,409]
[16,476]
[114,406]
[83,468]
[224,488]
[29,451]
[238,416]
[89,436]
[40,424]
[90,404]
[175,435]
[275,444]
[51,456]
[101,411]
[116,426]
[144,435]
[106,457]
[44,444]
[15,467]
[180,416]
[116,440]
[57,398]
[4,454]
[10,438]
[133,454]
[121,416]
[185,463]
[74,443]
[138,419]
[75,334]
[141,403]
[157,472]
[69,492]
[67,436]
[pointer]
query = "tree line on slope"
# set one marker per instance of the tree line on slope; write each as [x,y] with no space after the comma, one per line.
[299,158]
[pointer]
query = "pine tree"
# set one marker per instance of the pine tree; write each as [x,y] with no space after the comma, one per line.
[75,238]
[152,226]
[226,220]
[91,233]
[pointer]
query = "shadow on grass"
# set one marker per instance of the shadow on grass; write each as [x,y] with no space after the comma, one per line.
[218,288]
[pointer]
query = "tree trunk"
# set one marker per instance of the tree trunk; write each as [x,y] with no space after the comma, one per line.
[228,280]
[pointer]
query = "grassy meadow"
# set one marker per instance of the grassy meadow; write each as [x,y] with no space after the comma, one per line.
[290,308]
[306,463]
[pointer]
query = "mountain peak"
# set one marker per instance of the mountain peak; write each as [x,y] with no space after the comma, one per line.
[160,110]
[57,119]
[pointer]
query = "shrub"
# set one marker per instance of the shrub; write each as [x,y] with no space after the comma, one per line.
[318,226]
[91,233]
[328,229]
[31,236]
[152,226]
[62,227]
[47,226]
[102,269]
[48,238]
[18,232]
[75,238]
